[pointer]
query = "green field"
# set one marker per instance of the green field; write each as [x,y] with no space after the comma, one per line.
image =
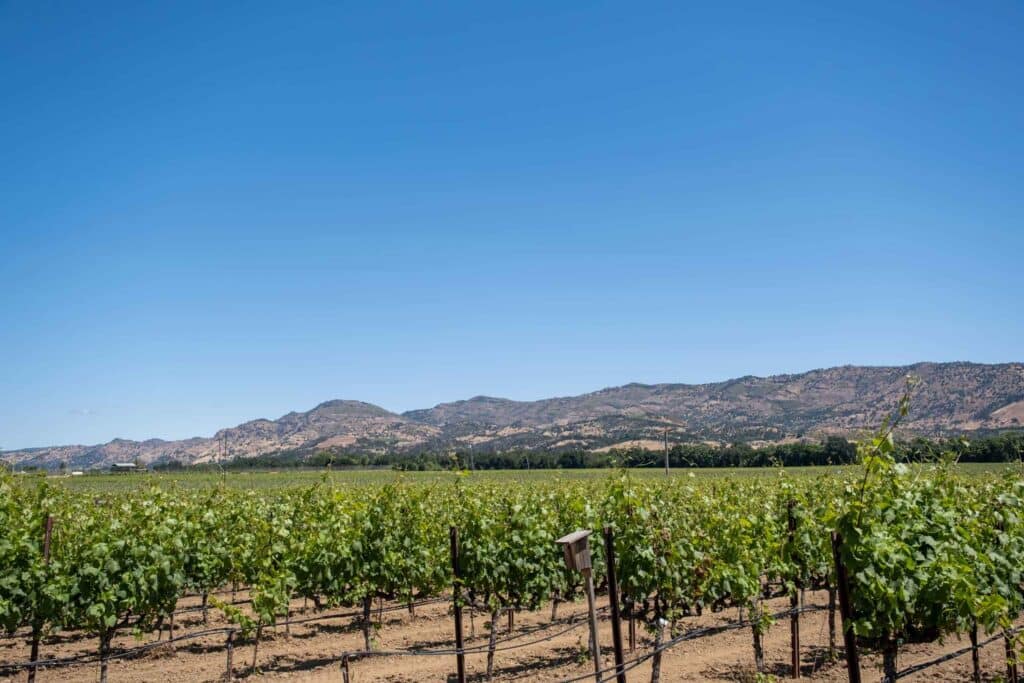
[292,478]
[102,554]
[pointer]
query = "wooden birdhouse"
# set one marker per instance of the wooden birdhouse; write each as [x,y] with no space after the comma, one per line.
[576,547]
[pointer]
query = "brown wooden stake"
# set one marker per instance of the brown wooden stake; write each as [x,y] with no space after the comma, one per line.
[794,604]
[344,669]
[846,610]
[511,619]
[613,601]
[595,648]
[170,632]
[460,658]
[794,635]
[1008,647]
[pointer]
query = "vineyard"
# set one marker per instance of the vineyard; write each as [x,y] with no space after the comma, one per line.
[925,554]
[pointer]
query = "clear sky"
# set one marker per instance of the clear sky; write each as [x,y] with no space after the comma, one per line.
[212,212]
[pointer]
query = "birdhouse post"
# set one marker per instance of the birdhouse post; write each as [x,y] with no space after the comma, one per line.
[576,548]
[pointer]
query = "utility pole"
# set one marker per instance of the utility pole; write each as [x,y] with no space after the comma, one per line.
[666,450]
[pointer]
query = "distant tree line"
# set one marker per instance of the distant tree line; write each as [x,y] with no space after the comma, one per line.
[834,450]
[279,460]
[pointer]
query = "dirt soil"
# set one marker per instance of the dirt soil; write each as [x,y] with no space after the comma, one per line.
[543,652]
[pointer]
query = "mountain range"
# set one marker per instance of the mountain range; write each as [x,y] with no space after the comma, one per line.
[948,399]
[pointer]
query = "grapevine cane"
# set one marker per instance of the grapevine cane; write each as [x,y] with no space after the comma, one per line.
[492,642]
[367,608]
[256,647]
[756,626]
[659,636]
[230,653]
[1011,658]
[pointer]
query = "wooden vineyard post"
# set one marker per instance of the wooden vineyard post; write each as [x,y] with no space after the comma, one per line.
[595,649]
[845,610]
[460,658]
[576,549]
[613,601]
[1008,647]
[344,669]
[794,602]
[36,627]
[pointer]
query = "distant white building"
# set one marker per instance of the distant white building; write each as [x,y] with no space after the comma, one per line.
[125,467]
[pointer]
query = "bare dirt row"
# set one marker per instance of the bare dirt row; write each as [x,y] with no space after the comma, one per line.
[543,650]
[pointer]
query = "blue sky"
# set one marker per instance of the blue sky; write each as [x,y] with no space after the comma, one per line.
[212,212]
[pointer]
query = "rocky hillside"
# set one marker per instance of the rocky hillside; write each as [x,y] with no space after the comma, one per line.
[950,398]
